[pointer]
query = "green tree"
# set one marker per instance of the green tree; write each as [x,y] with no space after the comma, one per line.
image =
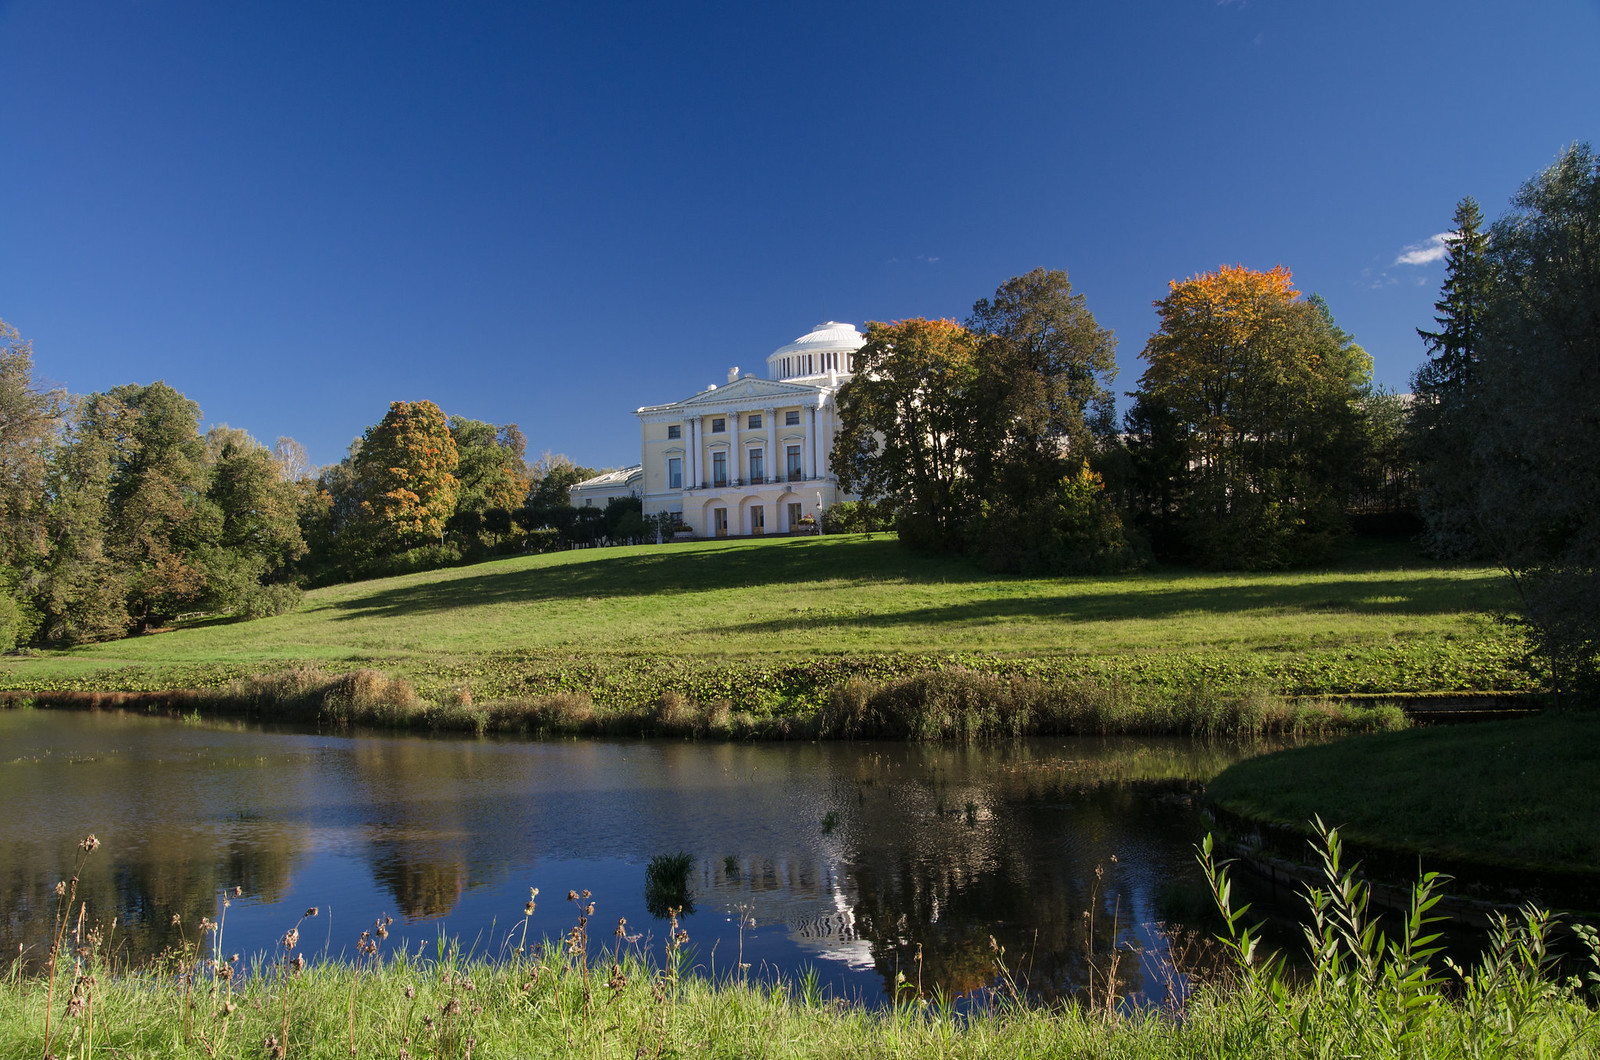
[159,520]
[1047,371]
[493,471]
[260,534]
[1441,429]
[1261,392]
[406,465]
[1533,403]
[552,477]
[907,425]
[1042,406]
[31,420]
[624,519]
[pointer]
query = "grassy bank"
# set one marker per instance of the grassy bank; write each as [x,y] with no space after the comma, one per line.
[776,628]
[951,704]
[1519,794]
[610,996]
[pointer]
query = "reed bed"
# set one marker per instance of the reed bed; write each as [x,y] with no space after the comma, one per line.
[947,704]
[618,994]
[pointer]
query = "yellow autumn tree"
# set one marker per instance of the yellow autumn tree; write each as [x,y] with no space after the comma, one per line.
[1252,396]
[406,467]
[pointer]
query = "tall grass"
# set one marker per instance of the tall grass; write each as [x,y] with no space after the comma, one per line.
[948,704]
[1366,994]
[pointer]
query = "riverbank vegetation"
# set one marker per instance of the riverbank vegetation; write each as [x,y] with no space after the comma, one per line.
[596,992]
[1514,794]
[779,629]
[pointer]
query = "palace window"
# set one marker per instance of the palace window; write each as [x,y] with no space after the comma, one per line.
[718,425]
[794,463]
[758,469]
[675,473]
[719,469]
[791,418]
[755,422]
[674,430]
[794,517]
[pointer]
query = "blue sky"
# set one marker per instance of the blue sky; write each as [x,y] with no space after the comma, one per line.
[551,214]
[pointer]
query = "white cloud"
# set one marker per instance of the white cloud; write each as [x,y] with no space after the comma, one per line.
[1432,249]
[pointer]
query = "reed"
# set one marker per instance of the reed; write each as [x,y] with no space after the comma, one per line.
[952,703]
[1367,994]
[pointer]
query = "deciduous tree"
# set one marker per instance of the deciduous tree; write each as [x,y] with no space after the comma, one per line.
[1261,390]
[407,464]
[30,426]
[907,424]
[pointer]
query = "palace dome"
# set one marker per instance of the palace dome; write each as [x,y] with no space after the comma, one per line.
[830,336]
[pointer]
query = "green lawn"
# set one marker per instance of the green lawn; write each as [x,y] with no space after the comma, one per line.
[1517,793]
[1384,620]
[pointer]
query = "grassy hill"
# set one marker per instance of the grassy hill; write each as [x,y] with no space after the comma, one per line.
[781,619]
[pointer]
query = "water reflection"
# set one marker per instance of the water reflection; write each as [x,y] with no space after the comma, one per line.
[864,860]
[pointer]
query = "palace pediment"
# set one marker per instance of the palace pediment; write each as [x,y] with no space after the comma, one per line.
[750,390]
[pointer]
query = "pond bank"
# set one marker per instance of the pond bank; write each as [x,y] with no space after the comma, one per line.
[1508,807]
[953,703]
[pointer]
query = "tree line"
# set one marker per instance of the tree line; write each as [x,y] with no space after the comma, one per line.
[1255,438]
[118,515]
[1505,426]
[1252,437]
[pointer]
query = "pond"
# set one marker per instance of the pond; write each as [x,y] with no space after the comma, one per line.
[848,859]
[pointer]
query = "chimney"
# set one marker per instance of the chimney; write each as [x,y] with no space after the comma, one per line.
[733,374]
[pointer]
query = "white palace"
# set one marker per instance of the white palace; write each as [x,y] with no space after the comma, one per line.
[749,457]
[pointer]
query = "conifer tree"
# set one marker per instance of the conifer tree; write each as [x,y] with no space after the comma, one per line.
[1440,424]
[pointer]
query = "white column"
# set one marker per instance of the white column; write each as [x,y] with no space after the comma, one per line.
[807,425]
[734,456]
[691,454]
[772,442]
[687,433]
[812,439]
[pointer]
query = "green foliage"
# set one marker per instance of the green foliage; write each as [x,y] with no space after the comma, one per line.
[906,422]
[1376,995]
[1512,384]
[553,477]
[494,478]
[666,885]
[975,435]
[858,517]
[1071,530]
[1441,430]
[1253,396]
[624,520]
[1044,401]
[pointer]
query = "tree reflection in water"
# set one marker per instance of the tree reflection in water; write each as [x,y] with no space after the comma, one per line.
[1052,848]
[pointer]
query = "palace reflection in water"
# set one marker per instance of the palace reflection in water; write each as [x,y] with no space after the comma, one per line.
[852,858]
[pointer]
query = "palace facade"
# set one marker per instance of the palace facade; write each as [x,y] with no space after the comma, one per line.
[752,456]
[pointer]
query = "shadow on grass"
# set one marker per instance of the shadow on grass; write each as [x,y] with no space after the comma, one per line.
[651,571]
[1387,586]
[1399,595]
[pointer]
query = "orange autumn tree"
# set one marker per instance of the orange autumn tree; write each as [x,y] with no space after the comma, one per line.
[406,466]
[1251,401]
